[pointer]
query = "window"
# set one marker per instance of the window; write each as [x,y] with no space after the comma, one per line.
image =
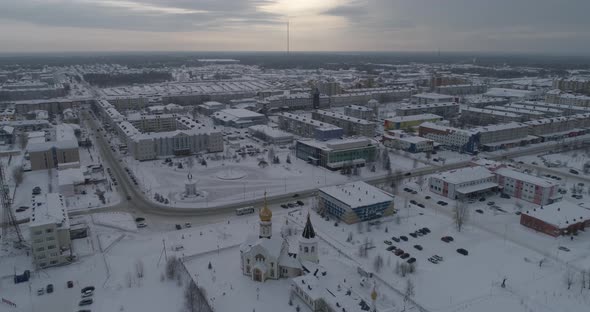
[306,249]
[51,247]
[40,248]
[38,232]
[53,254]
[49,230]
[53,261]
[42,264]
[39,240]
[312,248]
[51,238]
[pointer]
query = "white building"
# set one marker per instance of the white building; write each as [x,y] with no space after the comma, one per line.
[405,142]
[271,135]
[355,202]
[463,183]
[50,231]
[238,118]
[536,190]
[430,98]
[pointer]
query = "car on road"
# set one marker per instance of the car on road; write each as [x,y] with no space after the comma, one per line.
[440,202]
[140,219]
[387,242]
[295,195]
[178,227]
[188,225]
[447,239]
[491,203]
[438,258]
[300,203]
[504,195]
[419,247]
[563,248]
[421,205]
[87,288]
[404,238]
[482,199]
[40,291]
[427,197]
[36,190]
[88,294]
[413,202]
[414,192]
[85,302]
[395,239]
[405,256]
[284,206]
[426,230]
[462,251]
[408,174]
[290,205]
[411,260]
[433,260]
[21,208]
[479,211]
[572,171]
[49,288]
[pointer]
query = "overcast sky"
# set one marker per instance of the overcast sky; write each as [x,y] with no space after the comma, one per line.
[541,26]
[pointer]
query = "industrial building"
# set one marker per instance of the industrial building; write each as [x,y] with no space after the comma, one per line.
[559,218]
[355,202]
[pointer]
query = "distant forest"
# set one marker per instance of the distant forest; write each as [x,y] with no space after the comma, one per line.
[111,80]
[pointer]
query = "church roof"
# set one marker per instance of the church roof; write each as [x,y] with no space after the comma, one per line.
[308,231]
[265,213]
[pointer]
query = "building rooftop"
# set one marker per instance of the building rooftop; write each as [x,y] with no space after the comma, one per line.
[49,209]
[236,113]
[357,194]
[526,177]
[309,121]
[339,144]
[432,96]
[490,112]
[270,131]
[465,175]
[503,92]
[344,117]
[560,214]
[414,118]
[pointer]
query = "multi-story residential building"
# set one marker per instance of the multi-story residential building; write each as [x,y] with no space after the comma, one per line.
[356,96]
[461,89]
[291,101]
[567,109]
[445,109]
[560,97]
[431,98]
[329,87]
[153,123]
[568,125]
[413,144]
[48,155]
[576,84]
[31,90]
[355,202]
[50,231]
[336,154]
[484,116]
[351,125]
[454,138]
[271,135]
[545,111]
[536,190]
[123,103]
[361,112]
[483,101]
[309,128]
[527,114]
[405,122]
[238,118]
[52,106]
[146,146]
[463,183]
[512,94]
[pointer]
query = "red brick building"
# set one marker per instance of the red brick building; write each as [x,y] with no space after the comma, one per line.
[560,218]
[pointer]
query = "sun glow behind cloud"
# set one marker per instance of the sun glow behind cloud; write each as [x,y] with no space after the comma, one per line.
[142,7]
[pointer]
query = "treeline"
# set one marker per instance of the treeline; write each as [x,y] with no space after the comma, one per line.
[110,80]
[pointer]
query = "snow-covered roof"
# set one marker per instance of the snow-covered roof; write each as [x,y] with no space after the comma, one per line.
[525,177]
[490,112]
[47,209]
[560,214]
[318,124]
[344,117]
[503,92]
[360,108]
[414,118]
[432,96]
[270,131]
[357,194]
[465,175]
[236,113]
[339,144]
[70,176]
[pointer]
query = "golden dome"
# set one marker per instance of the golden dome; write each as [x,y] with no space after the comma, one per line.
[374,294]
[265,214]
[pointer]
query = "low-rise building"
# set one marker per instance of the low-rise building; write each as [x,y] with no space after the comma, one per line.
[536,190]
[463,183]
[210,107]
[408,143]
[461,89]
[484,116]
[405,122]
[238,118]
[309,128]
[271,135]
[336,154]
[351,126]
[355,202]
[50,231]
[560,218]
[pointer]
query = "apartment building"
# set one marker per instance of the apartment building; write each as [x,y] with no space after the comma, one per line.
[153,123]
[533,189]
[405,122]
[445,109]
[484,116]
[431,98]
[560,97]
[351,126]
[461,89]
[575,84]
[361,112]
[50,231]
[405,142]
[309,128]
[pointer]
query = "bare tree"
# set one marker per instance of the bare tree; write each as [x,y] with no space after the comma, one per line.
[172,266]
[190,163]
[139,268]
[569,278]
[18,175]
[23,139]
[271,154]
[460,215]
[193,299]
[378,263]
[409,292]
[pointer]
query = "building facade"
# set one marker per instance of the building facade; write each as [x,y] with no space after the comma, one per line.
[309,128]
[463,183]
[527,187]
[336,154]
[351,126]
[444,109]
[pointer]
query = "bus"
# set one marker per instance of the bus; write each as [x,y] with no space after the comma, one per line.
[244,210]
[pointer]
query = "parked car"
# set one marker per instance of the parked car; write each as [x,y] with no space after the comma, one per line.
[36,190]
[411,260]
[572,171]
[462,251]
[414,235]
[413,202]
[447,239]
[87,288]
[70,284]
[40,291]
[404,238]
[427,197]
[387,242]
[178,227]
[479,211]
[563,248]
[21,208]
[399,252]
[290,205]
[418,247]
[284,206]
[482,199]
[187,225]
[421,205]
[139,219]
[438,258]
[491,203]
[405,256]
[425,229]
[433,260]
[395,239]
[85,302]
[295,195]
[300,203]
[141,225]
[391,248]
[49,288]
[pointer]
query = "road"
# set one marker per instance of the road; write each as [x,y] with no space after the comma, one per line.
[139,204]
